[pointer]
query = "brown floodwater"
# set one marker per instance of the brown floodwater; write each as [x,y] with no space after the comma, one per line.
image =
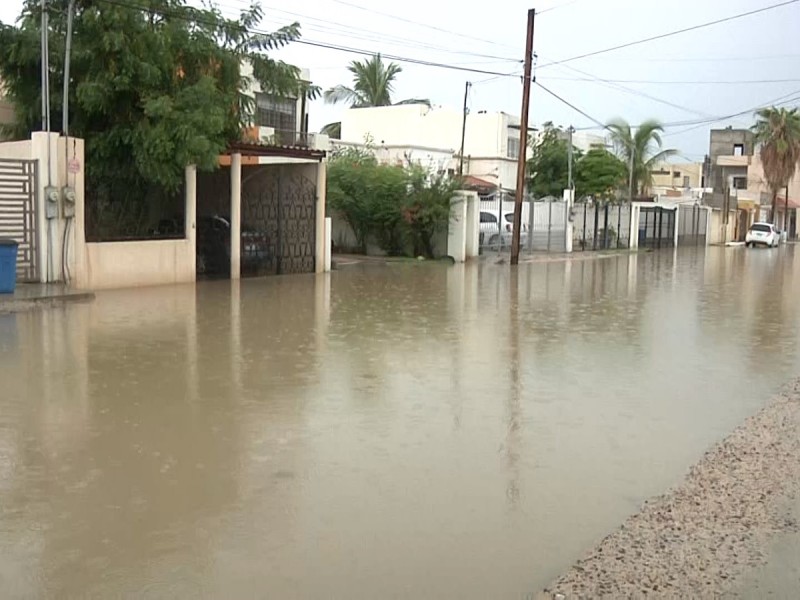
[422,431]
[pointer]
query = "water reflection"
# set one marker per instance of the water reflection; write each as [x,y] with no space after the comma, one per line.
[405,430]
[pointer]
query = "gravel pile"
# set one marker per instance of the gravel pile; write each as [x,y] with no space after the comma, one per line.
[695,540]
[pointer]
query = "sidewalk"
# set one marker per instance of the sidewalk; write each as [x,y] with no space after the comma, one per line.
[28,296]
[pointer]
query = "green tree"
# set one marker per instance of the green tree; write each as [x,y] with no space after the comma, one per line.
[778,132]
[348,191]
[373,84]
[641,149]
[599,174]
[548,165]
[156,84]
[427,210]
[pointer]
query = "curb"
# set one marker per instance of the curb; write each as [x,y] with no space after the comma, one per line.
[14,305]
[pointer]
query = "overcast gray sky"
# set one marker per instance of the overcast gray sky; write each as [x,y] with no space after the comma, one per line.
[491,37]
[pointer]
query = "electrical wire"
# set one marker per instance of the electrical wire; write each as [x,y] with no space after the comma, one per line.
[345,30]
[670,33]
[572,106]
[421,24]
[657,82]
[194,17]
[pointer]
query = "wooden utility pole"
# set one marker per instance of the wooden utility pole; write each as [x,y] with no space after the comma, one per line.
[523,141]
[463,129]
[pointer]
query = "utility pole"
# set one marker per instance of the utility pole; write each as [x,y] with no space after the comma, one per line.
[523,142]
[463,129]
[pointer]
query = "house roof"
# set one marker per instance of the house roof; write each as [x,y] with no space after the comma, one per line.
[781,202]
[470,181]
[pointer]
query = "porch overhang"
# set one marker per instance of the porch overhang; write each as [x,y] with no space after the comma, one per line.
[264,154]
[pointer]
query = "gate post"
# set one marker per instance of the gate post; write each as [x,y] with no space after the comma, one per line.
[322,248]
[236,215]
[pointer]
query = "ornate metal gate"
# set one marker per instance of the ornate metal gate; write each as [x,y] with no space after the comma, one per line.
[279,206]
[18,185]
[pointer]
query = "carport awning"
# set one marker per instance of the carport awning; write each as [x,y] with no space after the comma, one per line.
[254,149]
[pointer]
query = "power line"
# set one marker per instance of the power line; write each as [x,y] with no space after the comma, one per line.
[194,17]
[572,106]
[420,24]
[634,92]
[347,31]
[670,33]
[657,82]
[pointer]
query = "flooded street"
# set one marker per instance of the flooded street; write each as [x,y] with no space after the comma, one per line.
[417,431]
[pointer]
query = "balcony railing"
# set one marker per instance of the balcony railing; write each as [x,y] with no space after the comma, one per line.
[270,136]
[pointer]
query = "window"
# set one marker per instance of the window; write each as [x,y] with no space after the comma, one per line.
[276,112]
[686,182]
[488,218]
[676,174]
[738,149]
[740,183]
[513,148]
[764,228]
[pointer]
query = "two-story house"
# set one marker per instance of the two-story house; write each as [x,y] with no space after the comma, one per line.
[431,136]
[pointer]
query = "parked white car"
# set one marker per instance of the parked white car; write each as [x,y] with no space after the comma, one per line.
[489,231]
[763,234]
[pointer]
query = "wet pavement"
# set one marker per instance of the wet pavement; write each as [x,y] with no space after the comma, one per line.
[383,431]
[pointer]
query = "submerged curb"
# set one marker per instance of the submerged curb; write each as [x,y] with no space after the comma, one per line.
[13,305]
[695,540]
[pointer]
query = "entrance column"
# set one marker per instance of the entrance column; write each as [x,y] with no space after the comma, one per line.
[320,249]
[236,215]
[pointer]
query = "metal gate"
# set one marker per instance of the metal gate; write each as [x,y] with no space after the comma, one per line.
[601,226]
[657,227]
[281,204]
[692,225]
[18,186]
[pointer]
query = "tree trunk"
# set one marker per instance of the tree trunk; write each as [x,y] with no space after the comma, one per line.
[786,213]
[773,211]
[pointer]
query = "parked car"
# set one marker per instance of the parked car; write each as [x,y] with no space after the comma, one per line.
[489,231]
[763,234]
[214,247]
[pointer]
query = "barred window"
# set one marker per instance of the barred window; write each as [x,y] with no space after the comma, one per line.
[276,112]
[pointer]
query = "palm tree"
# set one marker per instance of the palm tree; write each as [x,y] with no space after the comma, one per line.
[778,132]
[373,84]
[640,150]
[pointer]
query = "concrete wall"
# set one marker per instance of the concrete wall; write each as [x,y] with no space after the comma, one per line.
[133,264]
[719,232]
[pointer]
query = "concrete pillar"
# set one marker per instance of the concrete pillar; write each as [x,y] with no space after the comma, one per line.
[236,215]
[634,231]
[328,240]
[321,245]
[675,232]
[568,226]
[472,225]
[190,214]
[456,231]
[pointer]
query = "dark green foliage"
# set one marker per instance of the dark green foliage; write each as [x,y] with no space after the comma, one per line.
[155,85]
[548,166]
[599,174]
[397,207]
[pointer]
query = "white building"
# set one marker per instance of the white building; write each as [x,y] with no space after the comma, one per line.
[431,136]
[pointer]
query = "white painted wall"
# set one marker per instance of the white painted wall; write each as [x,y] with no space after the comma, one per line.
[419,126]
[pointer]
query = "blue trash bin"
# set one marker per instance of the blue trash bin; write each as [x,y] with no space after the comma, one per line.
[8,265]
